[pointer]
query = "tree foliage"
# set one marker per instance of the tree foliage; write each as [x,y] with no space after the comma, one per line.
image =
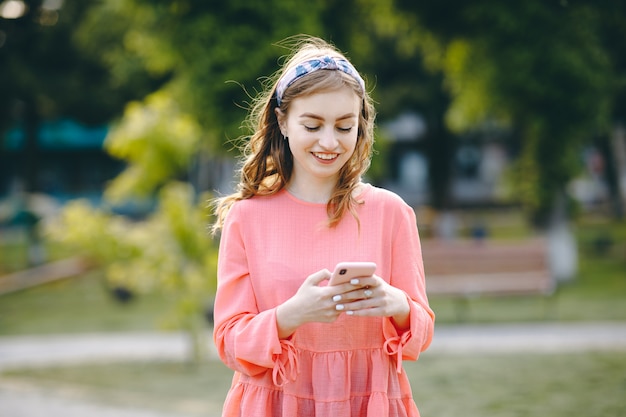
[550,71]
[210,52]
[542,69]
[157,142]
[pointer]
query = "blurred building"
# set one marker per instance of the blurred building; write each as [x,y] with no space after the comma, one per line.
[477,166]
[69,157]
[479,163]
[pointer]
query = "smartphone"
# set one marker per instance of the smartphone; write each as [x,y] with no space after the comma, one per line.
[345,271]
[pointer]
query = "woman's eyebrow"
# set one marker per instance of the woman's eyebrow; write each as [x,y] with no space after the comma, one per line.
[318,117]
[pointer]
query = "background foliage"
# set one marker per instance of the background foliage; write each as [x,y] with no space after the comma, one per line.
[551,73]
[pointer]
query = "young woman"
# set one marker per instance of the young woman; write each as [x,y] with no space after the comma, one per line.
[301,347]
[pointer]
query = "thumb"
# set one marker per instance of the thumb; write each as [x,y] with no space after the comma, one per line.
[318,277]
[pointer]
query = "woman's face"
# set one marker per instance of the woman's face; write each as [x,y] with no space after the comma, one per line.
[322,129]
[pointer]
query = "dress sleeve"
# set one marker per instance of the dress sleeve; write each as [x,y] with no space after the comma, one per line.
[246,339]
[407,274]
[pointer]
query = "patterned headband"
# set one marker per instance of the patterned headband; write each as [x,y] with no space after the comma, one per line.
[326,62]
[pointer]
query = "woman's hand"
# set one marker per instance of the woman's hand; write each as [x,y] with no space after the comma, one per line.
[311,303]
[375,297]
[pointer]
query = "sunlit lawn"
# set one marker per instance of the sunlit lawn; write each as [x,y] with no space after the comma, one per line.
[590,384]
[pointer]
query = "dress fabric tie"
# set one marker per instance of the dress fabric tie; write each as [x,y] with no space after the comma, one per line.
[394,345]
[286,366]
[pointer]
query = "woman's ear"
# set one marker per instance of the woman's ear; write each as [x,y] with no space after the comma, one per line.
[282,123]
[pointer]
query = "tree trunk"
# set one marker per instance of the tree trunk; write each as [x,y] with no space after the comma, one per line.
[30,168]
[618,145]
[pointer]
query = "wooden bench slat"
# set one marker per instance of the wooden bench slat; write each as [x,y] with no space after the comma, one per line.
[481,266]
[505,283]
[464,269]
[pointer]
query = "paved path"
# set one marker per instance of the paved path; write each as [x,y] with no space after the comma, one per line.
[23,351]
[529,337]
[19,402]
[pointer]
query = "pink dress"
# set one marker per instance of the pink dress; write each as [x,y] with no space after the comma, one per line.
[352,367]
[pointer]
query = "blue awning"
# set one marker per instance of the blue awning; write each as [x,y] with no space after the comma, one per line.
[59,134]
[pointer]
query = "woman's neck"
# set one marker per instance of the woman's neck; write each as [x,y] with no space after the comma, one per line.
[310,193]
[316,194]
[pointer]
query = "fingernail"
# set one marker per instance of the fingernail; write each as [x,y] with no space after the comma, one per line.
[354,281]
[368,293]
[337,298]
[339,307]
[349,312]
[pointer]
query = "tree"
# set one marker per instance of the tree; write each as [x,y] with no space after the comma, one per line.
[157,141]
[44,75]
[532,66]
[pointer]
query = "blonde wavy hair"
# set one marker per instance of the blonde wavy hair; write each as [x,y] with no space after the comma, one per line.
[267,162]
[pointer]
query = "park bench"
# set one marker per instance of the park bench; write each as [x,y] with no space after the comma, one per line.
[463,269]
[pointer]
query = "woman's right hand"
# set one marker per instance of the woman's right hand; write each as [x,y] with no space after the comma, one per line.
[311,303]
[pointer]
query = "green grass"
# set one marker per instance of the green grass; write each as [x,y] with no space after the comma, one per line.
[162,386]
[590,384]
[82,304]
[563,385]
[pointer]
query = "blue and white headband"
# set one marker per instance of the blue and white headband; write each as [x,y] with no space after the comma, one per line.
[325,62]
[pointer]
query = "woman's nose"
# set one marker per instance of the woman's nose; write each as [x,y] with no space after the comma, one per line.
[328,139]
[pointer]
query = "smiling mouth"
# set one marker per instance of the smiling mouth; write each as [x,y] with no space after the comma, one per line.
[326,156]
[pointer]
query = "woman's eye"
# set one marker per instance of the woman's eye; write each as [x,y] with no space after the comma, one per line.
[316,128]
